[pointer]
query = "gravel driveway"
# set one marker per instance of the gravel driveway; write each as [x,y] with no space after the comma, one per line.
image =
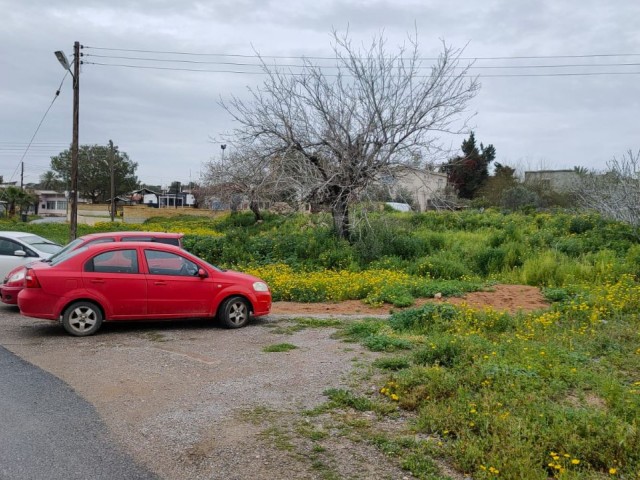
[192,400]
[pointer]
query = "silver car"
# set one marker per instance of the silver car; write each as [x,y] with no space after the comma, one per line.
[21,248]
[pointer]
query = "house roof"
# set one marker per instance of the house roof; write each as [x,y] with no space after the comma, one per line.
[145,190]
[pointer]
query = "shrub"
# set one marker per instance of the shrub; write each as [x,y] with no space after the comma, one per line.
[442,266]
[443,351]
[429,317]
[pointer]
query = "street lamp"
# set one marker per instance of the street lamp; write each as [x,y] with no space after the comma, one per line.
[73,194]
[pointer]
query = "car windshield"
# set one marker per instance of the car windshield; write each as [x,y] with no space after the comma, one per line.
[41,244]
[65,249]
[63,258]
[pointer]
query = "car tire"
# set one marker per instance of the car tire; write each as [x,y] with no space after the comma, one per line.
[234,312]
[82,318]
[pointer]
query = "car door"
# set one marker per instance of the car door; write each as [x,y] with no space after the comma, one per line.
[174,288]
[114,277]
[8,258]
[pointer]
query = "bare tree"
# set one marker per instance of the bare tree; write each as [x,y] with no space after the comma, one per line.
[245,175]
[616,192]
[339,130]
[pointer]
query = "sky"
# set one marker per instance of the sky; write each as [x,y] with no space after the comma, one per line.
[576,105]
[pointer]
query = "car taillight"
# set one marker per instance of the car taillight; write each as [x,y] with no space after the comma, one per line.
[30,280]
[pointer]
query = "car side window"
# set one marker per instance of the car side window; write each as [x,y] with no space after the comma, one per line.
[119,261]
[8,247]
[167,263]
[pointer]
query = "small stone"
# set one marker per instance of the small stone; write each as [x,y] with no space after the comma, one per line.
[438,295]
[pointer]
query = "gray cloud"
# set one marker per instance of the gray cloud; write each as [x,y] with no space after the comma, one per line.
[165,119]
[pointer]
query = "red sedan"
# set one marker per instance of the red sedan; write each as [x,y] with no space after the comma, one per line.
[14,281]
[138,281]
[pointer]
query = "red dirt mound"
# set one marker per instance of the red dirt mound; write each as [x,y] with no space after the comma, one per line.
[500,297]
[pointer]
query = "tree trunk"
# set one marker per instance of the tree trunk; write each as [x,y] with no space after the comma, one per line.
[255,208]
[340,213]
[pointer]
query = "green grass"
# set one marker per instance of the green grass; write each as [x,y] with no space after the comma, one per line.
[279,347]
[523,395]
[548,394]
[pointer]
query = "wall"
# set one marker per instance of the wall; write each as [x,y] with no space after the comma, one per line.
[140,213]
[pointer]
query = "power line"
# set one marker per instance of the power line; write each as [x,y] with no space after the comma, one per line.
[176,69]
[289,65]
[512,57]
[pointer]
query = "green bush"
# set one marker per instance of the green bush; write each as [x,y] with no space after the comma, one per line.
[441,266]
[442,350]
[427,318]
[490,260]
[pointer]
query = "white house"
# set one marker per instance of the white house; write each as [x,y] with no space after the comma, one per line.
[425,187]
[51,203]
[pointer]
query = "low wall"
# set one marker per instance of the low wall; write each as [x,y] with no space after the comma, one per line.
[92,214]
[140,213]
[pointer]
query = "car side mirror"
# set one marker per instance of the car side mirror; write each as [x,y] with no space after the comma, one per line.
[202,273]
[20,253]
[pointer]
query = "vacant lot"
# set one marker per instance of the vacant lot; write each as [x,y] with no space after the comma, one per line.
[191,400]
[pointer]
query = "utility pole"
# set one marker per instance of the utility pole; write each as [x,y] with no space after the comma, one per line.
[113,179]
[73,229]
[21,175]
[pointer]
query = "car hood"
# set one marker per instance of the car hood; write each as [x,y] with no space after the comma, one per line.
[240,277]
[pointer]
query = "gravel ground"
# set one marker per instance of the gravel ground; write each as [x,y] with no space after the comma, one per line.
[191,400]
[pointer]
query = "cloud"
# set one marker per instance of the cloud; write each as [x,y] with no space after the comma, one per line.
[164,119]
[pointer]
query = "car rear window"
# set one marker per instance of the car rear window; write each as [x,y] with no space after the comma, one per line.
[169,241]
[66,256]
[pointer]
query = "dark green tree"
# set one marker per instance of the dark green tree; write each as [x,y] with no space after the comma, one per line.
[49,180]
[503,179]
[94,171]
[470,171]
[16,197]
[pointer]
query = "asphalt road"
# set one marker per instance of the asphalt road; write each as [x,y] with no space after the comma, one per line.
[48,432]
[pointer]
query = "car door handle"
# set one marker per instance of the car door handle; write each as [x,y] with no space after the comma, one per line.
[97,280]
[159,283]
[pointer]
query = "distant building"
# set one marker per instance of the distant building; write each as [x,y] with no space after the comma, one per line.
[426,188]
[51,203]
[145,196]
[176,200]
[557,180]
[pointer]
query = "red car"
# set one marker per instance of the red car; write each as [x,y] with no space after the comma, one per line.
[14,281]
[138,281]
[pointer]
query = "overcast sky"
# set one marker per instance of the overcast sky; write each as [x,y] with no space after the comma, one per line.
[169,121]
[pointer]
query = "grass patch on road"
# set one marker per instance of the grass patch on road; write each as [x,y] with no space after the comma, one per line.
[279,347]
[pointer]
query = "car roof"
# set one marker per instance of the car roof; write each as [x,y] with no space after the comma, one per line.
[95,247]
[10,234]
[134,233]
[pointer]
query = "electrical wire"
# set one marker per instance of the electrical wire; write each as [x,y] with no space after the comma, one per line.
[521,57]
[176,69]
[289,65]
[57,94]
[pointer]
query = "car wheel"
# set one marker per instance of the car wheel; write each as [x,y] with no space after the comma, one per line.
[234,312]
[82,319]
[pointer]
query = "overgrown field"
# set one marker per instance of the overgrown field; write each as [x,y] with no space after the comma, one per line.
[553,394]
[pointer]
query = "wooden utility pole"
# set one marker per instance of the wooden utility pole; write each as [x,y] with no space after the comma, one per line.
[73,195]
[113,179]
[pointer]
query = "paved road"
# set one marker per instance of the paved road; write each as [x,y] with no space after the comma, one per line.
[48,432]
